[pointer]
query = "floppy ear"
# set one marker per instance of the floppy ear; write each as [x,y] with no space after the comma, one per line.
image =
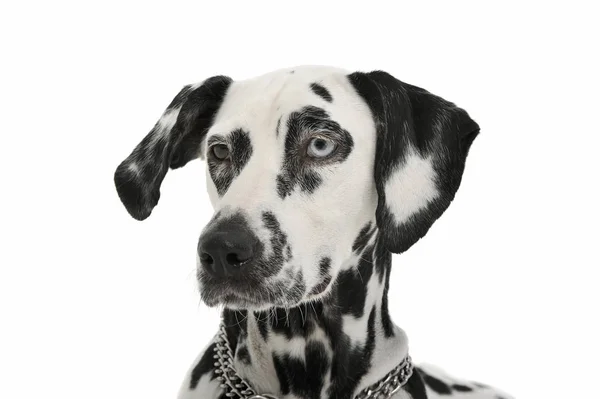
[422,145]
[174,141]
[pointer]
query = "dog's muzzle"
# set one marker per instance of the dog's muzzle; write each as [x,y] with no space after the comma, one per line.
[230,267]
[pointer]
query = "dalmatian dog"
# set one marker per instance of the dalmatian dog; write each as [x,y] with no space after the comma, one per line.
[317,176]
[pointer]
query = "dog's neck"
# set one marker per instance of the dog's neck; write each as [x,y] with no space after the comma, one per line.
[339,345]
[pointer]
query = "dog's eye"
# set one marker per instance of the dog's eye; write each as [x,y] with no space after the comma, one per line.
[320,147]
[220,151]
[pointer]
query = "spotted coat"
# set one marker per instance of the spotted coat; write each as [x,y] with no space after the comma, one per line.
[317,176]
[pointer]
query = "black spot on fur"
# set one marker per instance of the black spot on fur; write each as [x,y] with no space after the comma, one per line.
[236,322]
[363,238]
[223,172]
[321,92]
[204,366]
[383,262]
[304,379]
[280,370]
[436,385]
[415,386]
[290,322]
[261,320]
[461,388]
[386,321]
[352,283]
[278,241]
[243,355]
[349,366]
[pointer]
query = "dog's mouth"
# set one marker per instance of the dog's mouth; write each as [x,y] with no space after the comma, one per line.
[235,299]
[249,294]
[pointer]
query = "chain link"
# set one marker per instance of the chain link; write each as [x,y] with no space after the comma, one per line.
[390,384]
[236,387]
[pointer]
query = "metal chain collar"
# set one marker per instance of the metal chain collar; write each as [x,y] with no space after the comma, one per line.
[236,387]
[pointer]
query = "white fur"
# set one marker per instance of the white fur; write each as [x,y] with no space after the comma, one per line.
[168,120]
[411,187]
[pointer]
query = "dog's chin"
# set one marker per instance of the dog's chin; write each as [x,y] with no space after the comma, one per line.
[238,300]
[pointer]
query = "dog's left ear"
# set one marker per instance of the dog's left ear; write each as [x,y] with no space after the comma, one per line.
[422,145]
[174,141]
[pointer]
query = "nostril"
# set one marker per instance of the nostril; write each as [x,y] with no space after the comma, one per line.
[206,259]
[234,259]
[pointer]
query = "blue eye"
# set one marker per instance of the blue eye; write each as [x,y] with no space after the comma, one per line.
[320,147]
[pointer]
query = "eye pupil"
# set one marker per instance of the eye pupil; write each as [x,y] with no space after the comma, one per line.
[320,144]
[320,147]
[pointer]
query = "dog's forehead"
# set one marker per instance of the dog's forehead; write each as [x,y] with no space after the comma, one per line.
[260,105]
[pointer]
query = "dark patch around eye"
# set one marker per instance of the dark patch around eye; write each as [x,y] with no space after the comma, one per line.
[296,169]
[321,92]
[223,172]
[310,181]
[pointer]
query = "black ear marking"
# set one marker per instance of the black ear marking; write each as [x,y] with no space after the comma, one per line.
[174,141]
[422,144]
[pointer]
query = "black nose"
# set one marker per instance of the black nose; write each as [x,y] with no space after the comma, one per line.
[225,252]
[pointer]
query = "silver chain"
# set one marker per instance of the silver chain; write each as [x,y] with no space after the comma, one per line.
[236,387]
[390,384]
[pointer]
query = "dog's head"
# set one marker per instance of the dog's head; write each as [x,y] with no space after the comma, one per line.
[303,166]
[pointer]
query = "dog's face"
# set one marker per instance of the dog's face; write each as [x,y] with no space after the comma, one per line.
[302,165]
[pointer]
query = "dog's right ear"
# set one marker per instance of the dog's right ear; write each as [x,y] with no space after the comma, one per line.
[175,140]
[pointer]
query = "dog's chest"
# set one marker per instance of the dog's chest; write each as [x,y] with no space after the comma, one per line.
[288,366]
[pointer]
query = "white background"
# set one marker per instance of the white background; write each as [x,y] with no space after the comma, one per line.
[504,288]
